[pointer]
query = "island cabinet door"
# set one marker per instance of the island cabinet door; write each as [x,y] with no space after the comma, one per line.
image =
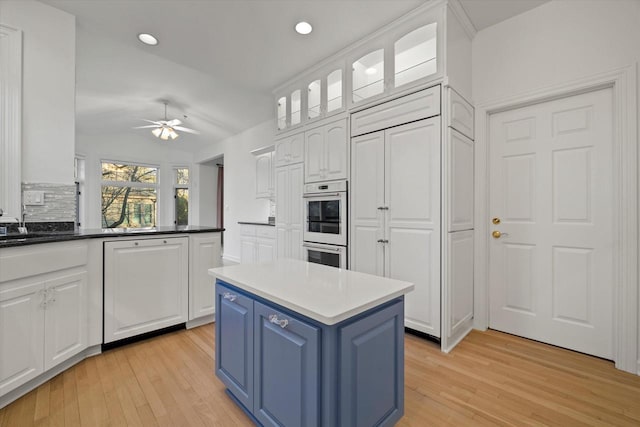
[372,369]
[287,370]
[234,343]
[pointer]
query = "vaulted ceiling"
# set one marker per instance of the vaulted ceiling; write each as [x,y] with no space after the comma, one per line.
[218,60]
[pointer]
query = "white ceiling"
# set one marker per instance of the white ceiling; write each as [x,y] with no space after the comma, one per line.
[218,60]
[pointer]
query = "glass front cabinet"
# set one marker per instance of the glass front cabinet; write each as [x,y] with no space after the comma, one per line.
[396,61]
[320,96]
[403,58]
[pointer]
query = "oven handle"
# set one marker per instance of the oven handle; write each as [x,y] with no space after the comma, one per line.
[322,247]
[318,195]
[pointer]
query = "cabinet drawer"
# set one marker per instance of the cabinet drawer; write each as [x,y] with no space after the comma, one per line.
[416,106]
[247,230]
[460,114]
[29,261]
[266,231]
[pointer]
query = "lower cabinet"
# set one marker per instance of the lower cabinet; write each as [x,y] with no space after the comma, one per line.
[257,243]
[43,309]
[146,285]
[285,369]
[204,253]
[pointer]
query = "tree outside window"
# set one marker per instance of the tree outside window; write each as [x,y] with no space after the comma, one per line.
[129,195]
[181,196]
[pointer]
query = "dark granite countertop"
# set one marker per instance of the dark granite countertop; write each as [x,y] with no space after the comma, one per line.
[13,239]
[271,224]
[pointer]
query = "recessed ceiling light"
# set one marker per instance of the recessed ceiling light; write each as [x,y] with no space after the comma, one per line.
[370,71]
[147,39]
[303,27]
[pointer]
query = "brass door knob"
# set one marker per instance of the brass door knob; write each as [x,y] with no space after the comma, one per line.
[496,234]
[496,221]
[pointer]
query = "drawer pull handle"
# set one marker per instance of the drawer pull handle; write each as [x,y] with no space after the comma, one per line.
[273,318]
[229,296]
[383,241]
[136,243]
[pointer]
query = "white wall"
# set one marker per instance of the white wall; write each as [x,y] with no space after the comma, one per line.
[137,148]
[240,203]
[553,44]
[207,193]
[48,108]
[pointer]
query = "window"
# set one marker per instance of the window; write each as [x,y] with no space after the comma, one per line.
[129,195]
[181,196]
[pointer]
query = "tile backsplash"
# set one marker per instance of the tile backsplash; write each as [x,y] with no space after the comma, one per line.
[59,203]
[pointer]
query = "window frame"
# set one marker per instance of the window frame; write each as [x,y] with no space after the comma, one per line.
[177,187]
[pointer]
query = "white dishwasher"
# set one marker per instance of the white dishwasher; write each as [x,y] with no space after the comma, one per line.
[146,285]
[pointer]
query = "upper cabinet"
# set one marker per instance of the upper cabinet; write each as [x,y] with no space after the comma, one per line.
[289,150]
[400,58]
[264,172]
[325,149]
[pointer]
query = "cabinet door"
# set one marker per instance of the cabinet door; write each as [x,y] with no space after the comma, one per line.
[459,286]
[460,181]
[283,151]
[204,254]
[263,175]
[296,148]
[248,250]
[21,333]
[314,149]
[282,245]
[367,199]
[296,185]
[265,250]
[412,193]
[295,243]
[336,148]
[145,286]
[234,343]
[372,394]
[287,369]
[65,318]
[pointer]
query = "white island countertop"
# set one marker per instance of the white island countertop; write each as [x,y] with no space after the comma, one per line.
[326,294]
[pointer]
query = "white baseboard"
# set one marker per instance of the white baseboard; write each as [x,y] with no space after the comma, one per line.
[201,321]
[231,258]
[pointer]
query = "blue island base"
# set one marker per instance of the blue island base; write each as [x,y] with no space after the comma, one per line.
[285,369]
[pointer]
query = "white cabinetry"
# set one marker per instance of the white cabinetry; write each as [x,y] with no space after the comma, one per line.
[151,276]
[289,211]
[290,149]
[264,176]
[257,243]
[43,309]
[395,228]
[325,149]
[204,253]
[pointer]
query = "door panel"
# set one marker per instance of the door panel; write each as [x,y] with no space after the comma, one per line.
[551,185]
[367,195]
[66,319]
[234,333]
[314,155]
[336,150]
[286,369]
[412,192]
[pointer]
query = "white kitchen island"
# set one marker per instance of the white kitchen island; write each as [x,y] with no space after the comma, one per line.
[302,344]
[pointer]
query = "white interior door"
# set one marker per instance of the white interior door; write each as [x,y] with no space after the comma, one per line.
[551,273]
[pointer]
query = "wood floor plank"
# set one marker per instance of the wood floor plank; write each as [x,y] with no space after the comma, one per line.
[490,379]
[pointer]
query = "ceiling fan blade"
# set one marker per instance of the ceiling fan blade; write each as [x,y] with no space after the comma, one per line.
[147,127]
[174,122]
[187,130]
[151,121]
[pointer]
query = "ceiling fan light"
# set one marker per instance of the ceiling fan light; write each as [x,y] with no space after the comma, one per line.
[156,132]
[172,133]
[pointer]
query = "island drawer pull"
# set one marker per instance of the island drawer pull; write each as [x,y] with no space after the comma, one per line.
[231,297]
[273,318]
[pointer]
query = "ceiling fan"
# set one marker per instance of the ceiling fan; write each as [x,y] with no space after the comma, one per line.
[165,129]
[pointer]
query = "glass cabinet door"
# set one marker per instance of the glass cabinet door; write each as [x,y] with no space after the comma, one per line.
[368,76]
[282,113]
[313,105]
[415,55]
[295,107]
[334,90]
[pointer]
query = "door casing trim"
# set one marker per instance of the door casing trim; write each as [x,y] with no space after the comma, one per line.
[625,192]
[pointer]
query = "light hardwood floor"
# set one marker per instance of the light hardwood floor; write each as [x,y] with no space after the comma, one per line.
[489,379]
